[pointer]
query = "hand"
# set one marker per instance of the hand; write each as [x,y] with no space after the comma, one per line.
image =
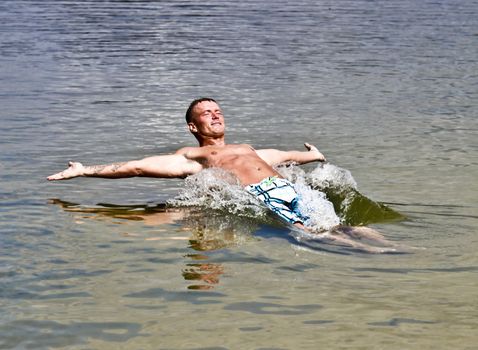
[312,148]
[74,169]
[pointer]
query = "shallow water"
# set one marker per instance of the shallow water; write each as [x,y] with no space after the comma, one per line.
[386,89]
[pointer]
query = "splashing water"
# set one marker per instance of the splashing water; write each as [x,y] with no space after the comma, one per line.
[328,196]
[352,207]
[331,176]
[320,211]
[313,203]
[334,180]
[218,189]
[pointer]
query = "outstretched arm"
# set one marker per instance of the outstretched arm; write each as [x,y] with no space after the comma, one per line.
[165,166]
[275,157]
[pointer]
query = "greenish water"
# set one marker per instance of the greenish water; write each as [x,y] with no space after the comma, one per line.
[387,90]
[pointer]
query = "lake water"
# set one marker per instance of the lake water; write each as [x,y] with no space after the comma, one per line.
[387,89]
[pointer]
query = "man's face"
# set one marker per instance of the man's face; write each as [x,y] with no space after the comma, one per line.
[207,120]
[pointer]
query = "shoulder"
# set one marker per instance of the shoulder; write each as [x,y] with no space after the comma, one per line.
[188,152]
[245,146]
[186,160]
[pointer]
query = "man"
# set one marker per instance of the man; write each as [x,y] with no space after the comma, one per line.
[253,168]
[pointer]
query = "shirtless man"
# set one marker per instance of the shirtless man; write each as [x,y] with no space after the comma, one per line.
[253,168]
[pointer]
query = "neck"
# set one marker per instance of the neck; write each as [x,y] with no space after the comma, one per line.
[219,141]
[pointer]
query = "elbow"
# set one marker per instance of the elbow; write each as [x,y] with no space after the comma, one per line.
[138,171]
[134,169]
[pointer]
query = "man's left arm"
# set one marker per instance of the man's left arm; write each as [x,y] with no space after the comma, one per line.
[275,157]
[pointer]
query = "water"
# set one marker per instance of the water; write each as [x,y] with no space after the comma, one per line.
[386,89]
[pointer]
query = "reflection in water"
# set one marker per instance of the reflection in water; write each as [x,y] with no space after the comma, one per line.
[159,214]
[202,271]
[213,229]
[209,231]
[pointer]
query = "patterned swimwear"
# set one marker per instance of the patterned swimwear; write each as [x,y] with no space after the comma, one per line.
[280,196]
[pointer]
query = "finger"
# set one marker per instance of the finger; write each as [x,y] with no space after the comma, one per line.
[57,176]
[52,177]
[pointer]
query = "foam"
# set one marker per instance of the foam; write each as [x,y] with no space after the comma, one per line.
[313,203]
[331,176]
[219,190]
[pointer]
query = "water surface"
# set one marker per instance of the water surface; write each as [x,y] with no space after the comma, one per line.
[386,89]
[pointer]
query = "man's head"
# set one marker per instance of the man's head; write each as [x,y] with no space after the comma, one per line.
[189,112]
[205,119]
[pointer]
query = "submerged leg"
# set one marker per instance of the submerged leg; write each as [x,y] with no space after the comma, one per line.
[362,232]
[339,238]
[343,235]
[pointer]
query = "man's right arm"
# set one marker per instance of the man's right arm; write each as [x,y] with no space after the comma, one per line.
[164,166]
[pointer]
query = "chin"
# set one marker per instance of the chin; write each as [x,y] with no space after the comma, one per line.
[218,131]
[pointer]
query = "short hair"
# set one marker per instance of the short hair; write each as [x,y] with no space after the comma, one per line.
[189,112]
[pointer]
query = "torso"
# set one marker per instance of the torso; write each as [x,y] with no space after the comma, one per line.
[241,160]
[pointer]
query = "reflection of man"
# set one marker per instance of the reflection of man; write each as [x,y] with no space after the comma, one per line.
[253,168]
[206,272]
[204,231]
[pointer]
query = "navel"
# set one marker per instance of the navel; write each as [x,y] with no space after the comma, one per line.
[213,153]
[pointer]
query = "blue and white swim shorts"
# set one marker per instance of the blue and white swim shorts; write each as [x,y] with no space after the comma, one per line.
[280,196]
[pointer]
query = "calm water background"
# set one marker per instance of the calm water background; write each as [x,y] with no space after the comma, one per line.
[386,89]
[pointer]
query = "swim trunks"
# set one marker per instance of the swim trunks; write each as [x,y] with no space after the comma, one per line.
[280,196]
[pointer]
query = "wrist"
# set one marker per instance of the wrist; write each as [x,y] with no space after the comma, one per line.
[319,156]
[81,171]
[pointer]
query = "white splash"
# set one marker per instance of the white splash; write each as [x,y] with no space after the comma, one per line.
[313,203]
[331,176]
[219,190]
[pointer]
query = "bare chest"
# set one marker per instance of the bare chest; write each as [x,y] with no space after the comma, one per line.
[217,156]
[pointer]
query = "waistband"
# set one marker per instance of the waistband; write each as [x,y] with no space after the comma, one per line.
[268,181]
